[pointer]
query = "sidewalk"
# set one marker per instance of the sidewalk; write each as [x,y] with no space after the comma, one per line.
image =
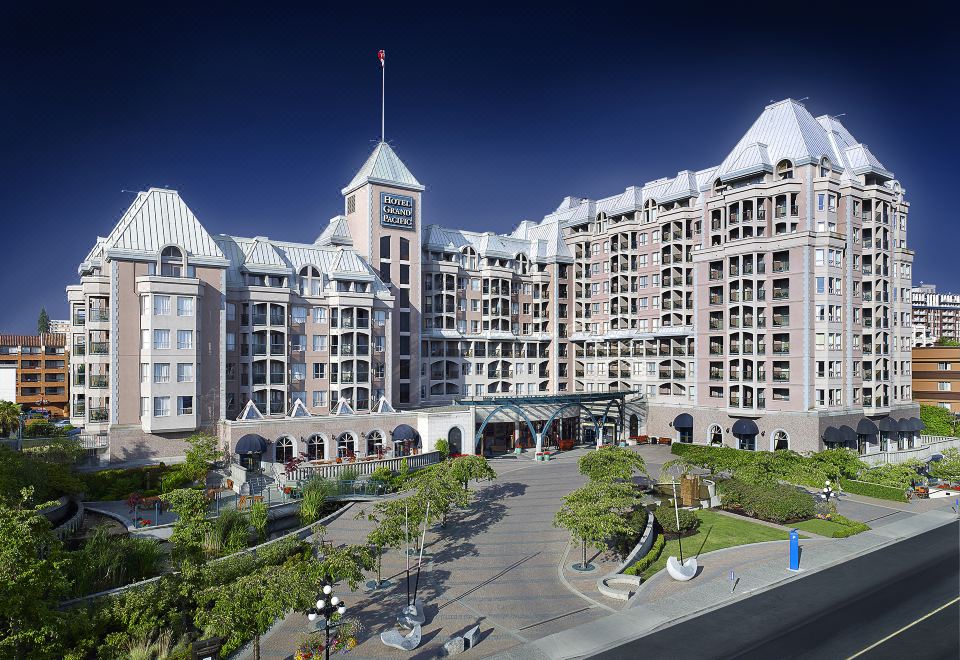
[758,567]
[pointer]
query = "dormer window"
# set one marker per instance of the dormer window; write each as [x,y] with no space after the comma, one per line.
[172,263]
[523,264]
[311,281]
[824,166]
[718,187]
[650,210]
[784,170]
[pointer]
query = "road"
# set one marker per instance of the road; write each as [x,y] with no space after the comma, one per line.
[897,602]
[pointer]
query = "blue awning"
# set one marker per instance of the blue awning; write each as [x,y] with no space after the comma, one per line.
[745,427]
[251,444]
[683,421]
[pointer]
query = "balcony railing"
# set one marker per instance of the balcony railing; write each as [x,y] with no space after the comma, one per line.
[781,294]
[98,315]
[99,381]
[99,348]
[80,349]
[98,414]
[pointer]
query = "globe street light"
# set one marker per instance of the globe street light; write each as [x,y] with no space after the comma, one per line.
[326,606]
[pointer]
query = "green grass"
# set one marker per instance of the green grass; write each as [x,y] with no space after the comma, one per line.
[716,531]
[832,529]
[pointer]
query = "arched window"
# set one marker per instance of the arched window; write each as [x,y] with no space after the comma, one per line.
[718,187]
[311,282]
[784,170]
[284,450]
[171,262]
[716,435]
[316,447]
[471,257]
[650,210]
[780,440]
[824,166]
[375,443]
[455,440]
[523,264]
[345,445]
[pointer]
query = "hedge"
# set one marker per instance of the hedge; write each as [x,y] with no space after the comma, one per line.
[779,503]
[647,560]
[666,515]
[873,490]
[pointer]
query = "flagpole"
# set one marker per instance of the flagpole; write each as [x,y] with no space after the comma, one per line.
[383,99]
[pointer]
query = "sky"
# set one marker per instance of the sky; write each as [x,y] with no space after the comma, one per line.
[259,115]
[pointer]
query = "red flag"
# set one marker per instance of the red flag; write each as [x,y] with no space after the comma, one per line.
[381,55]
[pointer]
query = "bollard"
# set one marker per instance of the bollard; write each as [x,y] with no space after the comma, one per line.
[794,550]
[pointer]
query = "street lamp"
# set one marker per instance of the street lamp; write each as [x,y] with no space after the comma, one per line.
[326,606]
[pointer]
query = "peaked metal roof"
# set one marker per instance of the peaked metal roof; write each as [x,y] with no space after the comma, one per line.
[262,256]
[753,159]
[683,186]
[155,219]
[384,166]
[336,233]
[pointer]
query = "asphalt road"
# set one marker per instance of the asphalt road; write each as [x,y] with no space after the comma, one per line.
[882,605]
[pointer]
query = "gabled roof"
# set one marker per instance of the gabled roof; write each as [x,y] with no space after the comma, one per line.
[343,408]
[336,233]
[789,131]
[261,256]
[383,406]
[298,409]
[861,161]
[683,186]
[752,159]
[630,200]
[383,166]
[158,218]
[250,411]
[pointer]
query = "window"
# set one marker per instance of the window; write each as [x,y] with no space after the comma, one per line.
[231,312]
[161,406]
[184,306]
[161,372]
[319,315]
[319,342]
[161,305]
[384,247]
[943,386]
[184,405]
[161,339]
[144,371]
[319,370]
[943,366]
[231,341]
[298,342]
[184,372]
[298,314]
[404,272]
[351,204]
[380,318]
[821,285]
[378,343]
[298,372]
[404,249]
[144,406]
[184,339]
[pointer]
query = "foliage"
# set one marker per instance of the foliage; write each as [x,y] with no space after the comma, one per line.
[644,562]
[43,428]
[228,534]
[947,468]
[779,503]
[31,581]
[258,519]
[666,515]
[465,468]
[349,473]
[763,467]
[41,471]
[439,486]
[637,522]
[947,341]
[895,475]
[202,453]
[610,463]
[874,490]
[383,475]
[43,322]
[149,647]
[346,565]
[939,421]
[107,485]
[59,451]
[315,494]
[9,417]
[596,512]
[389,529]
[443,447]
[190,529]
[105,562]
[837,526]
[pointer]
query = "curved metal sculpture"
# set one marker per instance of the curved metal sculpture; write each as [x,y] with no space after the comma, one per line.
[682,572]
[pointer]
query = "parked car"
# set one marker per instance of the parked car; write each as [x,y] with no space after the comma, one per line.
[62,423]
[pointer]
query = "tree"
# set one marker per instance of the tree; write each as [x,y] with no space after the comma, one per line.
[937,420]
[9,418]
[388,530]
[192,525]
[947,468]
[43,322]
[443,447]
[258,518]
[32,581]
[439,486]
[596,512]
[465,468]
[611,463]
[947,341]
[346,565]
[202,453]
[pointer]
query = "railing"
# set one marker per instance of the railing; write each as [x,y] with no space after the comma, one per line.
[99,381]
[929,445]
[363,467]
[80,349]
[98,415]
[99,348]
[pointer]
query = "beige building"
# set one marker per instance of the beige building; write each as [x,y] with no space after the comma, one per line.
[760,303]
[936,376]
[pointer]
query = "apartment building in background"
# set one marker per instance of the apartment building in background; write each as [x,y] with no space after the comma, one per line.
[760,303]
[939,313]
[936,376]
[42,367]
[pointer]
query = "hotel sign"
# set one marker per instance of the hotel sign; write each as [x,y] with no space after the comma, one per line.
[397,211]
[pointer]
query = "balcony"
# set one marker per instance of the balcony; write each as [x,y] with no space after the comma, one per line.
[781,266]
[259,319]
[278,349]
[99,315]
[99,415]
[259,349]
[781,376]
[99,348]
[794,210]
[79,380]
[80,349]
[781,348]
[781,294]
[99,381]
[78,409]
[79,318]
[277,319]
[259,379]
[716,300]
[781,320]
[716,274]
[716,374]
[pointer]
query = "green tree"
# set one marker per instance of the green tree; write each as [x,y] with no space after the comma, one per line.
[32,582]
[204,450]
[596,512]
[9,418]
[258,518]
[948,468]
[439,486]
[346,564]
[611,463]
[388,530]
[192,525]
[938,421]
[465,468]
[443,447]
[946,341]
[43,322]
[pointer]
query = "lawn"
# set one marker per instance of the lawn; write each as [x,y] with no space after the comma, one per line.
[716,531]
[830,529]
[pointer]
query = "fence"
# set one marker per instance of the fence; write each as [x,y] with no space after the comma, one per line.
[929,445]
[363,468]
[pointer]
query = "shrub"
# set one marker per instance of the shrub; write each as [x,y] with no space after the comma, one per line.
[894,475]
[383,475]
[105,562]
[851,527]
[666,515]
[874,490]
[105,485]
[647,560]
[779,503]
[348,474]
[315,495]
[230,533]
[637,519]
[42,428]
[49,478]
[948,468]
[443,447]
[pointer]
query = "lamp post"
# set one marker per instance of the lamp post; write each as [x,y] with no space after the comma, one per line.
[326,606]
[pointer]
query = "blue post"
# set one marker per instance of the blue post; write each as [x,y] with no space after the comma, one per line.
[794,550]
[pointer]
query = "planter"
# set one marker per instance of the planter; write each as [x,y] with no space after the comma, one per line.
[566,444]
[518,450]
[665,441]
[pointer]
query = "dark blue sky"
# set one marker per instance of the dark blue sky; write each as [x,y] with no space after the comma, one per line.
[259,117]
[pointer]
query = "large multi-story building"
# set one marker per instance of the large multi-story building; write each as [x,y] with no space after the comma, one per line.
[760,303]
[939,313]
[41,363]
[936,376]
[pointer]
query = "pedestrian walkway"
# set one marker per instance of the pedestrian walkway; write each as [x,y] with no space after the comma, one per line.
[757,567]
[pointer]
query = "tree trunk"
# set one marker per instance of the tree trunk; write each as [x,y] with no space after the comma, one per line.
[256,647]
[584,564]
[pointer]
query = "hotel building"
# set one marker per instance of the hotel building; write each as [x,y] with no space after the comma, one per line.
[40,362]
[760,303]
[938,313]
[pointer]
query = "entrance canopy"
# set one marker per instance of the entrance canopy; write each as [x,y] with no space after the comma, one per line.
[745,427]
